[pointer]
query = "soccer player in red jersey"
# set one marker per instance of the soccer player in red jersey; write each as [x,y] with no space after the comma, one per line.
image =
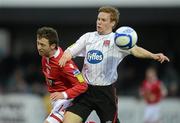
[63,83]
[152,90]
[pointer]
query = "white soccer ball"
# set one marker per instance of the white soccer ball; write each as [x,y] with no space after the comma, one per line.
[125,37]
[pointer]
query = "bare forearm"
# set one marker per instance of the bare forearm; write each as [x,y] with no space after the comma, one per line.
[141,52]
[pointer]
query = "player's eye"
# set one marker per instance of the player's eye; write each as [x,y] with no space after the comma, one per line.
[42,45]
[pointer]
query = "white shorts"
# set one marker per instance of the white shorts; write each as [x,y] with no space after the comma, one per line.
[58,109]
[152,113]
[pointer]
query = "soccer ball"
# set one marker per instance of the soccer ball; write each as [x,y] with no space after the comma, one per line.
[125,37]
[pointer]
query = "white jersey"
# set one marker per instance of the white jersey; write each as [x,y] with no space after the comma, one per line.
[102,57]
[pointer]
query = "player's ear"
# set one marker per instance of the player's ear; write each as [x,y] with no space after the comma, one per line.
[113,23]
[53,46]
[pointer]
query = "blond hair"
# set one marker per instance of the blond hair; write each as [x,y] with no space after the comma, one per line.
[114,13]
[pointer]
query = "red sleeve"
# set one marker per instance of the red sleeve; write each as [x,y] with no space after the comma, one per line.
[79,85]
[76,90]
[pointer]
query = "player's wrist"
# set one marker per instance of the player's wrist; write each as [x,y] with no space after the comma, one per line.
[65,95]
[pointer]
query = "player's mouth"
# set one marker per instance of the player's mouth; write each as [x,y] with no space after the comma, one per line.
[99,28]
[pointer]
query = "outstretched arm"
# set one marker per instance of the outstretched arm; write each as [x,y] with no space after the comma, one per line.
[73,50]
[143,53]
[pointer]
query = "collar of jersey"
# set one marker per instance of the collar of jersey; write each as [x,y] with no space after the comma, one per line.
[104,34]
[56,53]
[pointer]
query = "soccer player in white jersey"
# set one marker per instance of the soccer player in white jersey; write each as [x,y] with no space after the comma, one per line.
[102,58]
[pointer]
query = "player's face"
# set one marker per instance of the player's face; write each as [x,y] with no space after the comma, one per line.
[104,24]
[43,47]
[151,75]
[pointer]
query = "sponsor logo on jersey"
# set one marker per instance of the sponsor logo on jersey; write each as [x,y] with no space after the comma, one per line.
[94,56]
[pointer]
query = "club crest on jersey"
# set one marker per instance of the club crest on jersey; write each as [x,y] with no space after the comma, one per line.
[106,43]
[94,56]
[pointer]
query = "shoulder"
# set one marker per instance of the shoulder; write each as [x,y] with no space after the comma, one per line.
[159,82]
[87,36]
[90,33]
[70,65]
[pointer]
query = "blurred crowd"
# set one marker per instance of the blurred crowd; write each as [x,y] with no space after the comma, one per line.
[23,75]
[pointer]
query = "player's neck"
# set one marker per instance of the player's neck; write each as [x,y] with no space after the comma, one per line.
[105,32]
[52,53]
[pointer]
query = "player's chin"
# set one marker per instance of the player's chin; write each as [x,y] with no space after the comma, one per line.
[98,29]
[41,53]
[100,32]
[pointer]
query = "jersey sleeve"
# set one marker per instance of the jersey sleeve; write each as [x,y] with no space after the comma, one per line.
[79,85]
[78,48]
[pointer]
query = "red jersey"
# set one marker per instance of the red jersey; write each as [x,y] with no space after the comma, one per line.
[151,91]
[66,79]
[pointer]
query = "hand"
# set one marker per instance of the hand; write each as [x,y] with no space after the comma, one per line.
[160,57]
[65,57]
[56,95]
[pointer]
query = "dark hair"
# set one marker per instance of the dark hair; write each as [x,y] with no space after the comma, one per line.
[113,12]
[48,33]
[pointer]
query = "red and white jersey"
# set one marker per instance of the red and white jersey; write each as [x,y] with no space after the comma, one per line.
[151,91]
[66,79]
